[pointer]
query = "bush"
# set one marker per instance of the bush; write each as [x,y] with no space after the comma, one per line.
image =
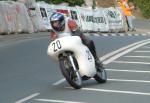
[71,2]
[144,6]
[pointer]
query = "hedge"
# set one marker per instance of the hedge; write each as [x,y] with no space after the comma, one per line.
[144,6]
[71,2]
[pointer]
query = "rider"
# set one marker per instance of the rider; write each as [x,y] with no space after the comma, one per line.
[63,26]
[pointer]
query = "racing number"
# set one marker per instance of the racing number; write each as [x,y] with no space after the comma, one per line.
[56,45]
[89,55]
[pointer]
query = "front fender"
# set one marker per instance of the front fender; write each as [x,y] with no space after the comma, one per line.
[60,45]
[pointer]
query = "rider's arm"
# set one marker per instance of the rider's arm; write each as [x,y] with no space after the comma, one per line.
[53,35]
[72,25]
[75,30]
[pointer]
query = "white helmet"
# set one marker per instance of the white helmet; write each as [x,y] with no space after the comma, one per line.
[57,21]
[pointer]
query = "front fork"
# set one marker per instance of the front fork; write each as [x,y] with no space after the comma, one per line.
[72,63]
[78,79]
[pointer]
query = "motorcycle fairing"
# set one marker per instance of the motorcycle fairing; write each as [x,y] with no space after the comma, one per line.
[74,44]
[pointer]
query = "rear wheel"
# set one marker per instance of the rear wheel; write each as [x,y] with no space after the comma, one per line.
[73,77]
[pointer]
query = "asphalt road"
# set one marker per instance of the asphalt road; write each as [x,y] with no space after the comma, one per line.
[28,75]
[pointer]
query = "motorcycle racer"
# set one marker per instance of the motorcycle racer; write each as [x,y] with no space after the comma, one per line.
[64,26]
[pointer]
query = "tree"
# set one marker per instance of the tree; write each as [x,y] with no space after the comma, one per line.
[144,6]
[94,4]
[71,2]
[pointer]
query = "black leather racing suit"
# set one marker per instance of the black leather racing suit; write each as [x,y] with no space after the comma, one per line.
[90,44]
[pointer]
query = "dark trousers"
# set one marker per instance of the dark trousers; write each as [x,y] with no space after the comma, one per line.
[90,44]
[86,41]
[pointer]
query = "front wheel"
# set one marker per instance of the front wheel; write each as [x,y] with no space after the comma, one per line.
[73,77]
[101,76]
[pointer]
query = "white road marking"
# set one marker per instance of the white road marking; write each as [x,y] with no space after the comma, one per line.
[126,80]
[105,34]
[136,34]
[145,47]
[129,62]
[125,52]
[132,71]
[137,56]
[121,49]
[144,34]
[129,35]
[128,47]
[59,82]
[129,80]
[27,98]
[120,80]
[96,34]
[56,101]
[121,34]
[142,51]
[114,34]
[114,91]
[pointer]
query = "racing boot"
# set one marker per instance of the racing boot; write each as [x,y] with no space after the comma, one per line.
[98,64]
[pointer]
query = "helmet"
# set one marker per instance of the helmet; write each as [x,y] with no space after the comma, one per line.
[57,21]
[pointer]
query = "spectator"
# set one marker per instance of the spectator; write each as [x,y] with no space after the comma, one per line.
[127,11]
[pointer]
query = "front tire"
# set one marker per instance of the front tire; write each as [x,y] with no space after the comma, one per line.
[72,77]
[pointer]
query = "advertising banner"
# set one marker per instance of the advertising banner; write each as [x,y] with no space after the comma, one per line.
[114,18]
[86,18]
[100,21]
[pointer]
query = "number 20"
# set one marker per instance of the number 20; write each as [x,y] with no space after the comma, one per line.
[56,45]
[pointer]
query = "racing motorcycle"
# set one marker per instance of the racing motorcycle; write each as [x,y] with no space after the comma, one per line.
[76,61]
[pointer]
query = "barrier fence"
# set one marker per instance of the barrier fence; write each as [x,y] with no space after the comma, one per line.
[16,18]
